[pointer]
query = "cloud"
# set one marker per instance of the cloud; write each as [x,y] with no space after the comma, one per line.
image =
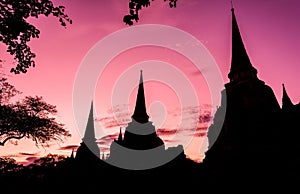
[9,156]
[199,72]
[195,121]
[69,147]
[109,137]
[199,132]
[165,131]
[120,108]
[191,110]
[31,159]
[119,115]
[195,117]
[197,113]
[109,122]
[205,117]
[20,154]
[27,154]
[106,140]
[170,141]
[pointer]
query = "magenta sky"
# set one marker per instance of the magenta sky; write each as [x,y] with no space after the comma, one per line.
[270,30]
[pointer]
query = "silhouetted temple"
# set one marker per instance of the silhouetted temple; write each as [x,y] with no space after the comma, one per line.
[141,147]
[88,149]
[248,141]
[140,133]
[249,134]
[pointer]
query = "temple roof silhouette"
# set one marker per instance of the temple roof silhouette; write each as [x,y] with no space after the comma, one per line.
[250,106]
[240,62]
[139,147]
[89,134]
[140,114]
[88,148]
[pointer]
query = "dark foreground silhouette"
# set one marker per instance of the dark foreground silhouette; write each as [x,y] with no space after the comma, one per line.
[94,175]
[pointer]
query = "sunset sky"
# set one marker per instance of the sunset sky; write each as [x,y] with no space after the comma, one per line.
[174,87]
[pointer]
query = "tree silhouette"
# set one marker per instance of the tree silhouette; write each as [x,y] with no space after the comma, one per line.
[136,5]
[9,165]
[37,177]
[7,91]
[49,161]
[30,118]
[16,31]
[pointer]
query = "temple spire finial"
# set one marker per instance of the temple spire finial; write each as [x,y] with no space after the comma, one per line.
[140,114]
[120,138]
[232,9]
[241,67]
[88,147]
[89,134]
[141,76]
[72,154]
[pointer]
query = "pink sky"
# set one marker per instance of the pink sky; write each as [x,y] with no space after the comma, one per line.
[270,30]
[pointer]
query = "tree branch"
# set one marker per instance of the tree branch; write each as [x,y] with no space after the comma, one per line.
[11,137]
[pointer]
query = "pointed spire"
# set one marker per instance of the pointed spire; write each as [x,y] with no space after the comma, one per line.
[89,134]
[88,147]
[120,138]
[72,154]
[241,66]
[140,114]
[286,101]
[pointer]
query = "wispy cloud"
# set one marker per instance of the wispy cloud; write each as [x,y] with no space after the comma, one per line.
[20,154]
[10,156]
[166,132]
[119,115]
[194,122]
[194,117]
[205,117]
[201,71]
[105,142]
[108,122]
[31,159]
[200,134]
[107,139]
[27,154]
[120,108]
[171,141]
[69,147]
